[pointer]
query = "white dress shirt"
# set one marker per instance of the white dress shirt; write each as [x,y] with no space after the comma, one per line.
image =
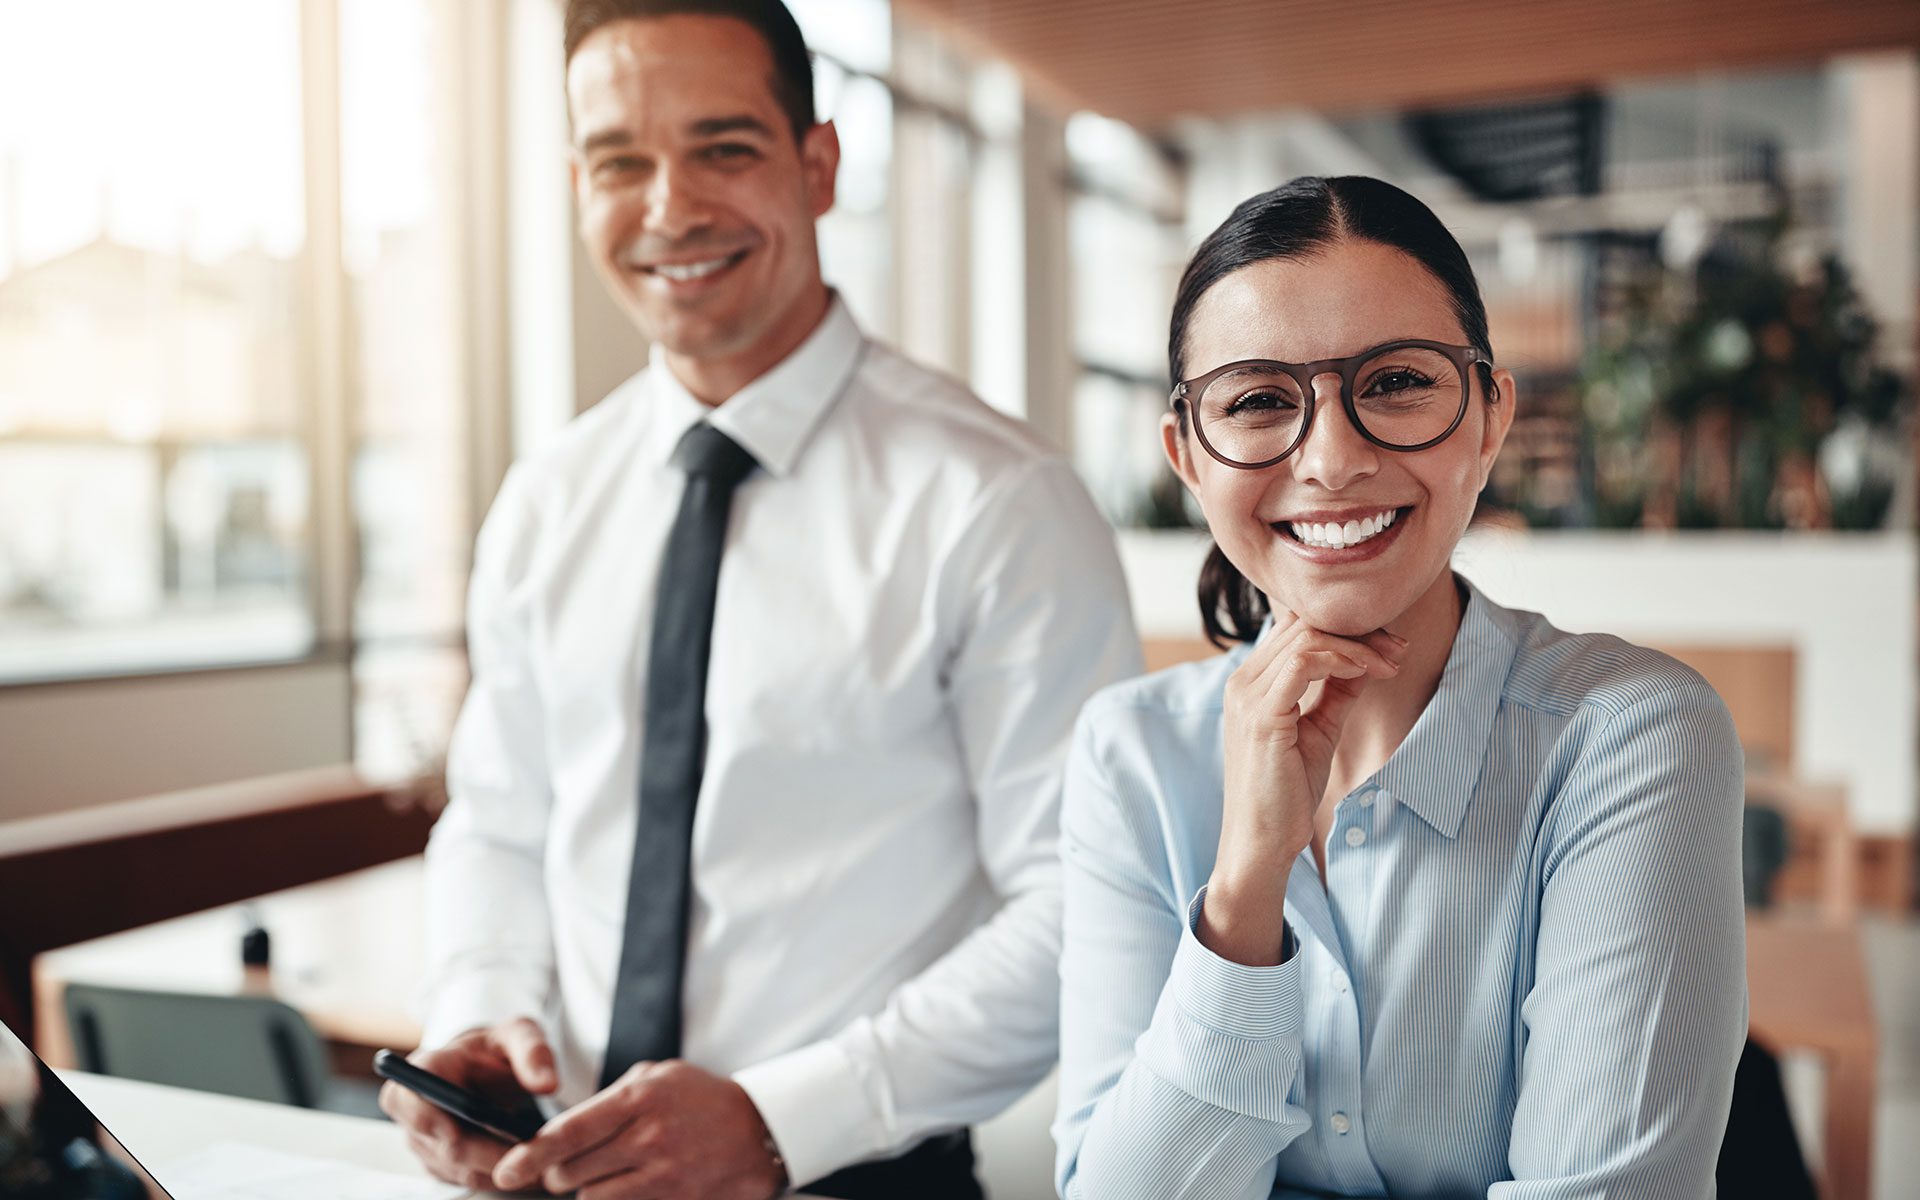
[915,598]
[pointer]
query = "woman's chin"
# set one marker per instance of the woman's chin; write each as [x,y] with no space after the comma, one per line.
[1341,615]
[1348,628]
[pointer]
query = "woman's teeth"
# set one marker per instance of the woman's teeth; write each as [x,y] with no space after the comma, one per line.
[1334,535]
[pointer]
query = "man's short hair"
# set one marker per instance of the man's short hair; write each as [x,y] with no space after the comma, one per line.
[792,68]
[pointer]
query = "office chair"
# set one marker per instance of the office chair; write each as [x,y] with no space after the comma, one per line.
[1765,842]
[254,1047]
[1759,1154]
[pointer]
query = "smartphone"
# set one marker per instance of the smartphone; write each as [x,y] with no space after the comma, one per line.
[510,1124]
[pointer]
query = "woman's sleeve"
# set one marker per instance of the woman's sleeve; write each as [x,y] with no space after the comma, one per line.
[1638,1008]
[1175,1064]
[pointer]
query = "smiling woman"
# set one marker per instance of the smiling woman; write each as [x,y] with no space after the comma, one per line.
[1407,893]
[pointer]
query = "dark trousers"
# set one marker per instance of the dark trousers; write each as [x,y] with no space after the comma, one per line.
[1760,1155]
[940,1168]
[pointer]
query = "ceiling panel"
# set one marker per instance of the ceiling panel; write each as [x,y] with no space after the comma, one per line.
[1152,61]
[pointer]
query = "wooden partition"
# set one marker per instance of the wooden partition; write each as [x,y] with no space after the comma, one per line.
[68,878]
[1757,682]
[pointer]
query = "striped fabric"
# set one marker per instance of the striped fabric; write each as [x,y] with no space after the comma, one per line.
[1524,976]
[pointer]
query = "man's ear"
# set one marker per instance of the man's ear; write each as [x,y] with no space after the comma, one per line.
[820,166]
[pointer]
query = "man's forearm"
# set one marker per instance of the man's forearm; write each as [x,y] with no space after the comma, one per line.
[954,1045]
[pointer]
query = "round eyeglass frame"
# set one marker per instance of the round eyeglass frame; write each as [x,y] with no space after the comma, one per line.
[1464,357]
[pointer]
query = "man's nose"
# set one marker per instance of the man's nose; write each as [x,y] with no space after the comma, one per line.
[675,207]
[1334,453]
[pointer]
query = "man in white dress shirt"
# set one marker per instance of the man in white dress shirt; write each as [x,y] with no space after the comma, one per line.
[914,596]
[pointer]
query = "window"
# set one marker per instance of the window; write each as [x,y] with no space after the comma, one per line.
[856,236]
[924,241]
[1124,213]
[153,480]
[852,44]
[182,417]
[410,487]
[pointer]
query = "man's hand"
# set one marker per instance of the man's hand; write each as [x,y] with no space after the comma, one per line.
[499,1061]
[662,1131]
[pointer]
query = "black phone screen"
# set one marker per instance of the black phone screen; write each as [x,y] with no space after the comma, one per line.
[509,1123]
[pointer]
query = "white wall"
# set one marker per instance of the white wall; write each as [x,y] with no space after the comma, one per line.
[1877,127]
[68,745]
[1846,603]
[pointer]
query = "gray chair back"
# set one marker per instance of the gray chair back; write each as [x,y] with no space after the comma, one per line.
[250,1046]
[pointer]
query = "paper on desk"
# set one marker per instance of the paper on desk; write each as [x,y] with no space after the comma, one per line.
[232,1171]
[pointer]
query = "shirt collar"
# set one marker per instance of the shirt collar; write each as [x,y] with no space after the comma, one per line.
[1435,770]
[773,416]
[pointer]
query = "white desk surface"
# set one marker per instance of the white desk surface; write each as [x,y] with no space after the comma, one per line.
[160,1125]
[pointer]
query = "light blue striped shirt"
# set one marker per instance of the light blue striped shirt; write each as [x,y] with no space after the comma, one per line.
[1523,977]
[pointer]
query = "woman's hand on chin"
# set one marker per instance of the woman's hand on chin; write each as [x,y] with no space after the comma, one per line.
[1278,755]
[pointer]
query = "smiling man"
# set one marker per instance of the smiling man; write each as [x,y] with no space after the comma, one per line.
[751,857]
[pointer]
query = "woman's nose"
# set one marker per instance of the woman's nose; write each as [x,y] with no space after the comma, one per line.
[1334,453]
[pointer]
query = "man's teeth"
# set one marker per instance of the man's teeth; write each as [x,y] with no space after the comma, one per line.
[1338,535]
[681,272]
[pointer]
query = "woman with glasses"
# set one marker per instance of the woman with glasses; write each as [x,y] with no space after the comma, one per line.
[1408,893]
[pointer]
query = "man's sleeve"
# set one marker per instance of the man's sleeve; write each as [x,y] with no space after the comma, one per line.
[1638,1011]
[490,956]
[1034,594]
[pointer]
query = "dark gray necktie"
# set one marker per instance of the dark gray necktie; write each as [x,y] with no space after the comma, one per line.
[646,992]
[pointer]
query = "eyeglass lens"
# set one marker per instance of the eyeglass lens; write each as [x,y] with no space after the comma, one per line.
[1404,397]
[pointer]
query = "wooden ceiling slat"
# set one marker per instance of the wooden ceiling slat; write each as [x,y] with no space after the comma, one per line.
[1152,61]
[1022,16]
[1229,42]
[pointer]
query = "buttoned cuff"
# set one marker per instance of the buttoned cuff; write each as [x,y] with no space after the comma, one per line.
[1233,998]
[1224,1032]
[481,998]
[813,1104]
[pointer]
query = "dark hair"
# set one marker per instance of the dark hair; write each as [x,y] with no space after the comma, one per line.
[1295,220]
[792,68]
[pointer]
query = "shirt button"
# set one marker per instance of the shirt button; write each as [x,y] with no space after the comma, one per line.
[1340,1124]
[1356,836]
[1340,983]
[1366,799]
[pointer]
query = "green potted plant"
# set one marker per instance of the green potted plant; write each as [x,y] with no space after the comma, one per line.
[1745,393]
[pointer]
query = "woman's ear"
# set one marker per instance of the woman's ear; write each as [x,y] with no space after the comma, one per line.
[1499,419]
[1179,451]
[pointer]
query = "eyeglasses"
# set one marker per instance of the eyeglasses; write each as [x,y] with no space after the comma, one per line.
[1405,395]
